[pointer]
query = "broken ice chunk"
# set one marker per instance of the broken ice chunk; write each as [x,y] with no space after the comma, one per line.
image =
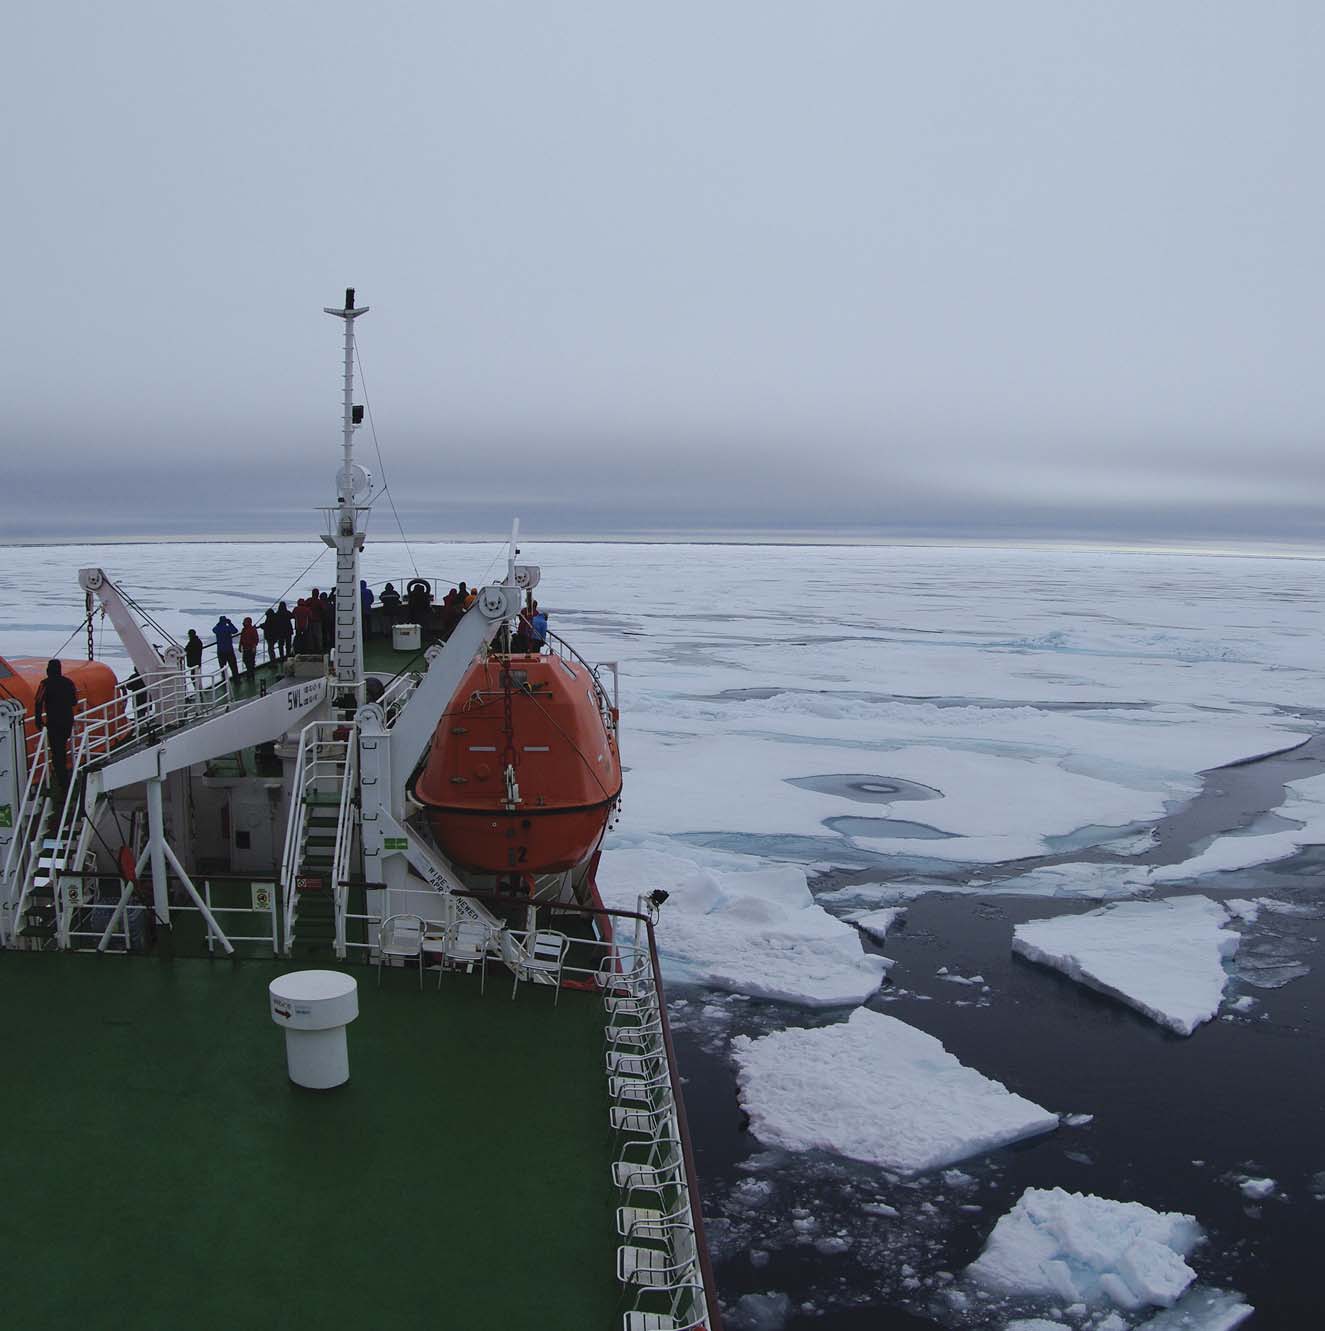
[1080,1247]
[1164,958]
[875,1089]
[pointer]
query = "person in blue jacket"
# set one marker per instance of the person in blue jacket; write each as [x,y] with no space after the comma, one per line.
[538,628]
[225,633]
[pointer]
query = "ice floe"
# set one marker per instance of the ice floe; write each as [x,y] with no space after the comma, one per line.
[876,923]
[1164,958]
[738,924]
[878,1090]
[1202,1310]
[1077,1247]
[1100,882]
[1258,1189]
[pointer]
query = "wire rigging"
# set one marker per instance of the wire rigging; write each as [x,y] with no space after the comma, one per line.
[381,466]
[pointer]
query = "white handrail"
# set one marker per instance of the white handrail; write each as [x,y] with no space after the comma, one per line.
[31,812]
[340,866]
[294,831]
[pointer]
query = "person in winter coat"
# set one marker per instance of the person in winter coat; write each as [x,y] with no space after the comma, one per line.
[284,629]
[56,702]
[537,629]
[193,658]
[313,638]
[390,601]
[248,646]
[327,606]
[225,633]
[270,628]
[303,619]
[366,598]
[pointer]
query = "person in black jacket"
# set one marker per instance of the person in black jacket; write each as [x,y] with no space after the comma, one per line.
[193,658]
[55,704]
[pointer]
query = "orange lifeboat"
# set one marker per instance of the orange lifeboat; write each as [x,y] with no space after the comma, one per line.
[524,770]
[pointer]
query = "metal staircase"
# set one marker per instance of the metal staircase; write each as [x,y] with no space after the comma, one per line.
[318,841]
[51,834]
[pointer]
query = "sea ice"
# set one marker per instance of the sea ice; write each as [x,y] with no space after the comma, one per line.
[746,926]
[1258,1188]
[1304,803]
[762,1312]
[1099,882]
[1202,1310]
[1164,958]
[876,923]
[878,1090]
[1073,1246]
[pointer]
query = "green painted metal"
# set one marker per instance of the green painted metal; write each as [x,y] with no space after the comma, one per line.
[158,1169]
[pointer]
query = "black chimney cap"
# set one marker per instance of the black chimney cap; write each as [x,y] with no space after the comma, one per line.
[349,298]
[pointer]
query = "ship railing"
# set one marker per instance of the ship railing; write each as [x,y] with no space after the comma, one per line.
[96,919]
[165,701]
[345,824]
[656,1177]
[93,921]
[50,820]
[396,694]
[312,765]
[24,847]
[294,829]
[609,707]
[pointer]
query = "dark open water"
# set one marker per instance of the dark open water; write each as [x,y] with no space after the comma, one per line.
[1243,1095]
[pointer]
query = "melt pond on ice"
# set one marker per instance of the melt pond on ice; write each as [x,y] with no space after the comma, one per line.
[1164,958]
[878,1090]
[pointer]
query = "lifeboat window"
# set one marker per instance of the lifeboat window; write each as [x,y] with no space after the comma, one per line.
[483,748]
[5,671]
[515,679]
[536,748]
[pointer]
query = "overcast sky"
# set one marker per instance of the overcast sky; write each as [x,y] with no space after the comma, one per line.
[897,269]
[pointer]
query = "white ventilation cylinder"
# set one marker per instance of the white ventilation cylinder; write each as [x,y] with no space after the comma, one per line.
[314,1008]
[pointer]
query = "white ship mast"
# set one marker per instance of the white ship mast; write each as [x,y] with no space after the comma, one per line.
[346,534]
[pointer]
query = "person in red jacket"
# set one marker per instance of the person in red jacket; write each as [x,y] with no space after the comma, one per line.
[302,618]
[248,646]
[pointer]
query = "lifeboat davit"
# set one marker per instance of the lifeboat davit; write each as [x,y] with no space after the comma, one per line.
[524,770]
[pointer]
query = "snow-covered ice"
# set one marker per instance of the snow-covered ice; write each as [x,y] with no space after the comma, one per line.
[1202,1310]
[878,1090]
[1164,958]
[739,924]
[1100,882]
[876,923]
[1073,1246]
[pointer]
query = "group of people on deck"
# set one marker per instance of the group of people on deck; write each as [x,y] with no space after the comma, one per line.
[310,627]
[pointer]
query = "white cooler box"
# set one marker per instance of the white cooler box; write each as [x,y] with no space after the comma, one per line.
[407,637]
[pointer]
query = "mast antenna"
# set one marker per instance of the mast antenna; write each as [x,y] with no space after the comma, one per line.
[346,537]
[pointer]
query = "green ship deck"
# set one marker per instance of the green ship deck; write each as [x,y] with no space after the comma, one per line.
[159,1169]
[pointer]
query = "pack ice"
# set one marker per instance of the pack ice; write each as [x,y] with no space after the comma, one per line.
[1085,1249]
[744,925]
[878,1090]
[1164,958]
